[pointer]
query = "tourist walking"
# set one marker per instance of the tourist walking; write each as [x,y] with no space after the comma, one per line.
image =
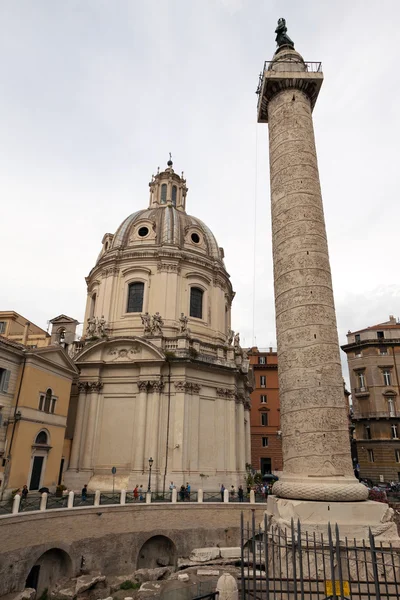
[84,493]
[182,493]
[240,493]
[136,493]
[187,491]
[222,490]
[232,493]
[24,492]
[141,493]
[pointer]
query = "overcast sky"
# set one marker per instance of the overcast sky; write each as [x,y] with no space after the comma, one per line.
[95,93]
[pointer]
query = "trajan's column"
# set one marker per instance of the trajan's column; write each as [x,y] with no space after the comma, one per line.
[314,423]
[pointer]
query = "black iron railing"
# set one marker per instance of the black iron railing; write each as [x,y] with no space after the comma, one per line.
[285,562]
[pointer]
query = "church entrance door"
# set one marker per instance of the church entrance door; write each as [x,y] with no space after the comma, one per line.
[36,472]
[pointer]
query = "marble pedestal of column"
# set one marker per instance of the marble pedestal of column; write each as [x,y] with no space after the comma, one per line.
[353,518]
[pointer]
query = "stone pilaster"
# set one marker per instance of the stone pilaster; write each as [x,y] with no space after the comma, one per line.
[76,444]
[138,449]
[315,437]
[92,399]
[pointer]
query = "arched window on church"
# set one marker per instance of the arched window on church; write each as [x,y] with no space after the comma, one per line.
[47,400]
[93,304]
[135,297]
[41,438]
[196,302]
[174,192]
[163,193]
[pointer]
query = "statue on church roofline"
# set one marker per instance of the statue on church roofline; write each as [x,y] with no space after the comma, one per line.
[282,38]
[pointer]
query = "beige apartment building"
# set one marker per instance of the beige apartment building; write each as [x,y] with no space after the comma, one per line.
[17,328]
[373,356]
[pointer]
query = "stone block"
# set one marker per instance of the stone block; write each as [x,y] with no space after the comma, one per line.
[66,594]
[208,572]
[230,552]
[183,577]
[26,594]
[85,582]
[204,554]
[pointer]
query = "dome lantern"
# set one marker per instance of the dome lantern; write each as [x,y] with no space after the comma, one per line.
[168,189]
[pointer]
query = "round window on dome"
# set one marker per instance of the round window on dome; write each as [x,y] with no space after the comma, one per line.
[195,238]
[143,231]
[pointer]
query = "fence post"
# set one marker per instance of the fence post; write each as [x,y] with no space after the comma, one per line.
[148,497]
[43,501]
[17,500]
[199,495]
[97,498]
[252,497]
[226,495]
[123,497]
[174,495]
[70,503]
[374,565]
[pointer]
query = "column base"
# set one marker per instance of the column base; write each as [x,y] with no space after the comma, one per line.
[354,519]
[324,489]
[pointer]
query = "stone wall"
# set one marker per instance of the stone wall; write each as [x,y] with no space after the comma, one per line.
[109,538]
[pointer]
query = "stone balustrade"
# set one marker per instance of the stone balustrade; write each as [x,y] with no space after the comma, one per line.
[49,502]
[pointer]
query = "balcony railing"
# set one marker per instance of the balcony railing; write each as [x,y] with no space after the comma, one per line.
[361,391]
[375,415]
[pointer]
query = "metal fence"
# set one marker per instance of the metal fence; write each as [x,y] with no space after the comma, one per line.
[289,564]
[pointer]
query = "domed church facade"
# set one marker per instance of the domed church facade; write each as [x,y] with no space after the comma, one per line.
[161,373]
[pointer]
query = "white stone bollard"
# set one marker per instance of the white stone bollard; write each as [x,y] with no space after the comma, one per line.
[70,503]
[199,495]
[226,495]
[252,497]
[97,498]
[16,502]
[227,587]
[148,497]
[43,501]
[174,495]
[123,497]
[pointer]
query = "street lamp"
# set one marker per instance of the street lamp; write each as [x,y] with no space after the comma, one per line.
[150,465]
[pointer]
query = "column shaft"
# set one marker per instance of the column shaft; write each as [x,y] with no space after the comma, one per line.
[314,420]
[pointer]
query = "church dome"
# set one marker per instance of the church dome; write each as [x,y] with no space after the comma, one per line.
[170,227]
[165,223]
[161,261]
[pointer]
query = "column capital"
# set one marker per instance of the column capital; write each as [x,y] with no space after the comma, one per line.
[225,393]
[90,386]
[187,386]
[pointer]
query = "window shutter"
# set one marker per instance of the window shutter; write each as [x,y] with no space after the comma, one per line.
[6,380]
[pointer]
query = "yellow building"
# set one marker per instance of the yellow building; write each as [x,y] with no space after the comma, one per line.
[16,328]
[35,387]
